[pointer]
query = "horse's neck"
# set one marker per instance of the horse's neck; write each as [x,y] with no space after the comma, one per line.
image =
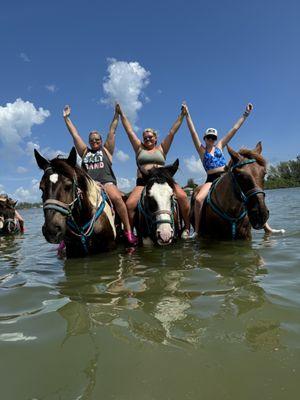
[225,195]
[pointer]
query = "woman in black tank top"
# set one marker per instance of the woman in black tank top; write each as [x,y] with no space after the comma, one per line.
[97,160]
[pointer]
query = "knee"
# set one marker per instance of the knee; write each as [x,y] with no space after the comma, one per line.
[131,204]
[199,201]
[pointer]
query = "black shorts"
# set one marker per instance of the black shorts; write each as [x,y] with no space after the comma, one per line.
[140,182]
[212,177]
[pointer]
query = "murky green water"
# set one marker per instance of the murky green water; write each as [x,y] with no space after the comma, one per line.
[196,321]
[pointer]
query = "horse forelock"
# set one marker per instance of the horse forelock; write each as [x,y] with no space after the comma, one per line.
[253,154]
[160,175]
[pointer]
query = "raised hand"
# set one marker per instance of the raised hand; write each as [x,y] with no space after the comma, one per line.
[249,107]
[184,109]
[66,111]
[118,109]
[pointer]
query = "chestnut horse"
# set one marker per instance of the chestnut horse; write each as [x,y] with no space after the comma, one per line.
[76,211]
[9,224]
[236,201]
[157,218]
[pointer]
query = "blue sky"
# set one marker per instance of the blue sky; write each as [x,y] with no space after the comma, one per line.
[216,55]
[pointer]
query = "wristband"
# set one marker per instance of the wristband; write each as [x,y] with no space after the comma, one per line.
[246,114]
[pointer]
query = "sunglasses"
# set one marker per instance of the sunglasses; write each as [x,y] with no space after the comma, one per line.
[95,140]
[148,138]
[210,137]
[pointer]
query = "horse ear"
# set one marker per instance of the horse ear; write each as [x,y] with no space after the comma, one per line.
[42,162]
[72,159]
[172,169]
[234,155]
[258,148]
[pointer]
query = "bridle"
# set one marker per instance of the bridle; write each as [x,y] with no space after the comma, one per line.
[150,217]
[66,209]
[242,196]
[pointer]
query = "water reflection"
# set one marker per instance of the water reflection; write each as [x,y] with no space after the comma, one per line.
[162,296]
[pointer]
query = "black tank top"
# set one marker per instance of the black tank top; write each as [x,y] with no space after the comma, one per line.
[98,166]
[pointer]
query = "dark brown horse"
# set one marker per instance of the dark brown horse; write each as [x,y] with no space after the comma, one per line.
[157,219]
[9,224]
[75,209]
[236,200]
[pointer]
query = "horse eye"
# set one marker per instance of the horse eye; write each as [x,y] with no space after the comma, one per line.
[68,186]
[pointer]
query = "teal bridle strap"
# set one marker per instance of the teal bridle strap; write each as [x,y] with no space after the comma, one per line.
[243,196]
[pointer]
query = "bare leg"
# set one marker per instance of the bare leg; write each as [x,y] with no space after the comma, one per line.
[183,205]
[199,200]
[268,230]
[132,202]
[116,198]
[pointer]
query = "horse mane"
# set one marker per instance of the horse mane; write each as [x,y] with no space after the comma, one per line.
[160,175]
[253,154]
[247,153]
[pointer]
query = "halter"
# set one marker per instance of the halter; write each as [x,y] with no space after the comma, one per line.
[150,216]
[66,209]
[243,197]
[10,225]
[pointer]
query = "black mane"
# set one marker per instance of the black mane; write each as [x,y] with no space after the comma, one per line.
[159,175]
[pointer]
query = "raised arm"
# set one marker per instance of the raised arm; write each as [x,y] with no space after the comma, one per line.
[194,134]
[78,142]
[166,143]
[111,138]
[134,140]
[226,139]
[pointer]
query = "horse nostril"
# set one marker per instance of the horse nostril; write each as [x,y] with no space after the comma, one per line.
[57,228]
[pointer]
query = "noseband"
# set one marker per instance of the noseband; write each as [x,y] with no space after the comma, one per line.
[150,217]
[240,194]
[66,209]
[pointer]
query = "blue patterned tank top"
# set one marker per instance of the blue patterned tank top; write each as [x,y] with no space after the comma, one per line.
[212,161]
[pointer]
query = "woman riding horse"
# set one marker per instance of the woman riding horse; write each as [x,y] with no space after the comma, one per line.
[149,154]
[213,159]
[97,160]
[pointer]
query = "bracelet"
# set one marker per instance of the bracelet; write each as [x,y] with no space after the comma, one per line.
[246,114]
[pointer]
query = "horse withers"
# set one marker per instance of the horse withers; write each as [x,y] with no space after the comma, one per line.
[9,224]
[75,209]
[236,201]
[157,219]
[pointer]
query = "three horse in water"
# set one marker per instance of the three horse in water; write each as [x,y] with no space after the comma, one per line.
[79,213]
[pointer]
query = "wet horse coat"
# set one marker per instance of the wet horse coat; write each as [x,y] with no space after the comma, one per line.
[75,209]
[157,218]
[236,201]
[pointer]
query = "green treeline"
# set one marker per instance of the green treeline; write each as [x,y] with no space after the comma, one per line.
[23,205]
[285,174]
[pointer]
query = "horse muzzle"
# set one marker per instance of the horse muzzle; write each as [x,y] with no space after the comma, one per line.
[258,216]
[164,236]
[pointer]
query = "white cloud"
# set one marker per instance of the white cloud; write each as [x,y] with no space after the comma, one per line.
[17,120]
[21,170]
[2,188]
[31,194]
[121,156]
[124,84]
[51,88]
[194,165]
[49,153]
[126,184]
[24,57]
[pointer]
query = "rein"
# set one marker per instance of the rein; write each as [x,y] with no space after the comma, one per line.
[66,209]
[243,197]
[150,219]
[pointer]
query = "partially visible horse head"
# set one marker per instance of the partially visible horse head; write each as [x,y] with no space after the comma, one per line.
[248,169]
[158,202]
[8,222]
[60,187]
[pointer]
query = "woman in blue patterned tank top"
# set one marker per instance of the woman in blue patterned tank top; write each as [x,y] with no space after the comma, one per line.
[212,157]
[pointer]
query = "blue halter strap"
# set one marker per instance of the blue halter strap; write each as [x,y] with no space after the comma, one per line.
[244,197]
